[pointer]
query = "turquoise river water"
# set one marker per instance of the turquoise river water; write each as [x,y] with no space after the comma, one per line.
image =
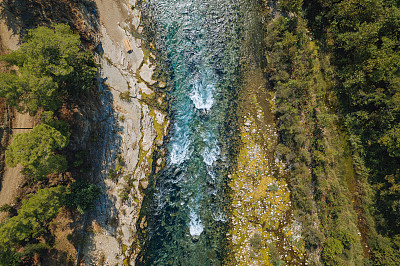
[201,42]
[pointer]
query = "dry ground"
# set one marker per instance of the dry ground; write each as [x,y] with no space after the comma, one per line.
[12,177]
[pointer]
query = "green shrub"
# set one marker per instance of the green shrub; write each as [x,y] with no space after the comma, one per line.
[9,257]
[31,249]
[120,160]
[273,187]
[124,194]
[112,174]
[82,195]
[291,5]
[36,211]
[121,118]
[330,250]
[5,208]
[47,117]
[80,158]
[256,242]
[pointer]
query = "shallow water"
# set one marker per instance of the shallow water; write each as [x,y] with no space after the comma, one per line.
[201,43]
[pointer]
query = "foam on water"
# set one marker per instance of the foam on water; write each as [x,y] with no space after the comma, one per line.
[180,151]
[195,225]
[180,141]
[195,37]
[219,215]
[211,151]
[210,154]
[202,96]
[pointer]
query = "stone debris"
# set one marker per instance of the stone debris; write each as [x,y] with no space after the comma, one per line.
[261,198]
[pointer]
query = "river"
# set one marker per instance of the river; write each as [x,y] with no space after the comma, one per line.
[201,43]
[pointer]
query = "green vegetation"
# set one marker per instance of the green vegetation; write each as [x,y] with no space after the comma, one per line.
[35,151]
[310,142]
[362,38]
[337,108]
[50,65]
[29,228]
[35,211]
[82,195]
[31,222]
[5,208]
[337,102]
[80,158]
[125,96]
[118,170]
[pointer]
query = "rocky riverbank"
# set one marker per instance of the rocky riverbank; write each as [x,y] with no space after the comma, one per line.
[263,230]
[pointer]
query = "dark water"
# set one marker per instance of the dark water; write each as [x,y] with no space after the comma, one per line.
[201,42]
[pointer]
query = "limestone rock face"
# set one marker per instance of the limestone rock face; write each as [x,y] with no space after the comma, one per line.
[125,125]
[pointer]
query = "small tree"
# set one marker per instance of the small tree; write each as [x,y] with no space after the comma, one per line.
[35,151]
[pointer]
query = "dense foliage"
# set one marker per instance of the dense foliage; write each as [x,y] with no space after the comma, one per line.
[35,211]
[30,223]
[82,195]
[363,38]
[35,151]
[312,143]
[50,64]
[360,40]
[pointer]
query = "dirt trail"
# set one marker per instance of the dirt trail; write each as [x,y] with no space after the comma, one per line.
[12,177]
[8,40]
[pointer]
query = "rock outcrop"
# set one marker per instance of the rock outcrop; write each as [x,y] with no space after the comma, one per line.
[124,138]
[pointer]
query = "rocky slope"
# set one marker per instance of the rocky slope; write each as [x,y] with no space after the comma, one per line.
[126,135]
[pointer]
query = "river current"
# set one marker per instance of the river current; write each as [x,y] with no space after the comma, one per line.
[187,217]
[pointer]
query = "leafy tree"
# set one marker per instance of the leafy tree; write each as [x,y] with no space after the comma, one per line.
[50,65]
[35,151]
[291,5]
[43,205]
[310,142]
[391,140]
[9,257]
[31,221]
[62,126]
[35,213]
[38,248]
[331,249]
